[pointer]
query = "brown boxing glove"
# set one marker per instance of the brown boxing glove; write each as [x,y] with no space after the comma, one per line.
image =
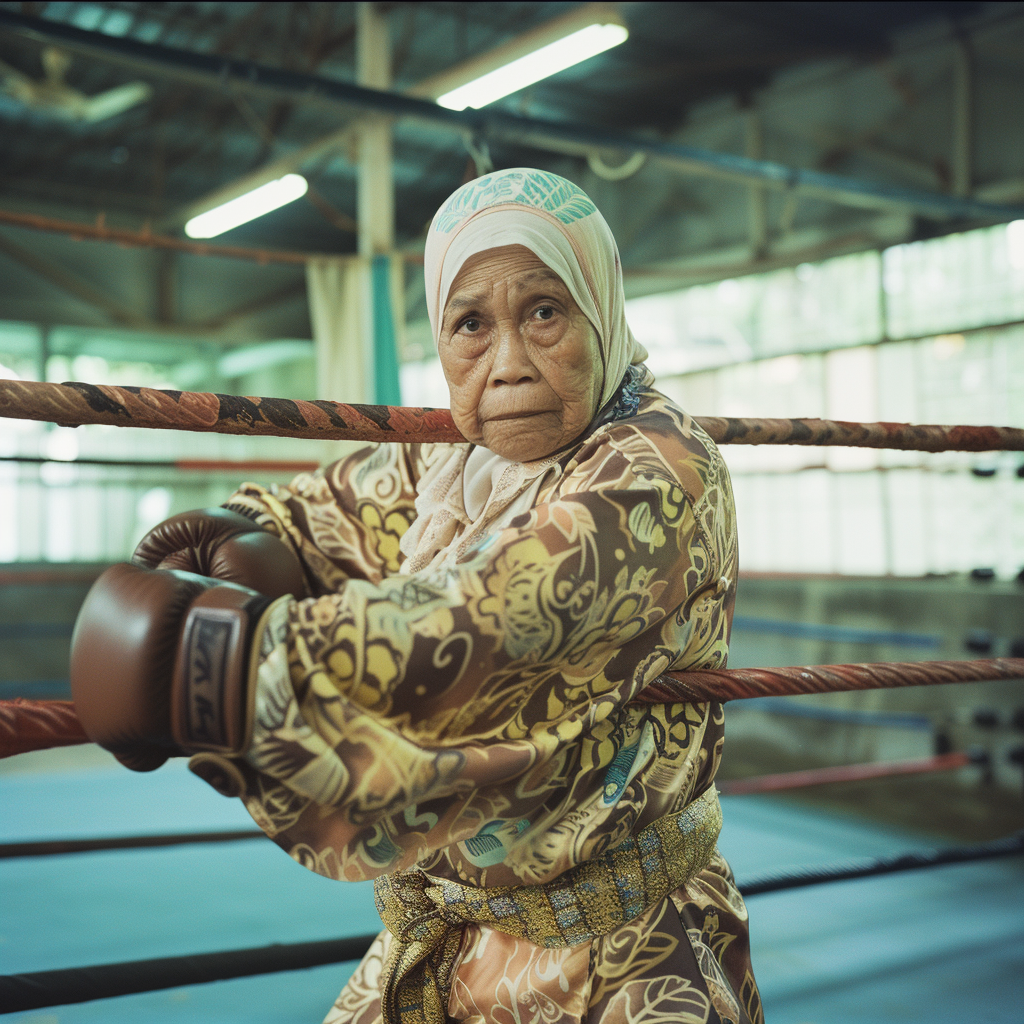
[162,664]
[222,544]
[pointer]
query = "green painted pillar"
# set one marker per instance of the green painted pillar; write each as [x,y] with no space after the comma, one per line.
[387,390]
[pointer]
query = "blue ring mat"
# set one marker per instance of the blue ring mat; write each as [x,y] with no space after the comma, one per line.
[931,946]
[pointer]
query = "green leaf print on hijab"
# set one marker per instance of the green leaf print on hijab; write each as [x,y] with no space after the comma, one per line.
[539,189]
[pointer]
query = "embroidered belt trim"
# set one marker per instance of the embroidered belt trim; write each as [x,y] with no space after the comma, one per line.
[425,915]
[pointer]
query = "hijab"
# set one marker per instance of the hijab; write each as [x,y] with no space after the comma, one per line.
[466,494]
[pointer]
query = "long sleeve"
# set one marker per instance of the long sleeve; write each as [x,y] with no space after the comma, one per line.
[343,521]
[484,705]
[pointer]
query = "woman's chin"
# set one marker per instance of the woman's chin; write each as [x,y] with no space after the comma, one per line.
[522,439]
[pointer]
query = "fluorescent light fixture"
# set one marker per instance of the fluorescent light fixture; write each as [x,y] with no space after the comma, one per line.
[256,203]
[548,60]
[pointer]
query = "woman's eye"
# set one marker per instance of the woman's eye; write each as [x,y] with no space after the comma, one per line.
[470,326]
[545,312]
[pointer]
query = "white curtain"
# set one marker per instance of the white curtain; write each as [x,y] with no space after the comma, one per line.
[340,308]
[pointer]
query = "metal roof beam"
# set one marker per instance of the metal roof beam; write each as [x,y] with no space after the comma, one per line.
[223,72]
[60,278]
[347,138]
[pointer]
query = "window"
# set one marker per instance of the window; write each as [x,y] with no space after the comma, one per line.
[819,342]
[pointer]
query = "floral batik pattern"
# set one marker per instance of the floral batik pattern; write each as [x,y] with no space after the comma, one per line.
[472,721]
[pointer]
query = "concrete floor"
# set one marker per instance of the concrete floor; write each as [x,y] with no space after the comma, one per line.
[933,946]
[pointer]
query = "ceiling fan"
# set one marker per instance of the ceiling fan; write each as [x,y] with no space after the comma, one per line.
[52,95]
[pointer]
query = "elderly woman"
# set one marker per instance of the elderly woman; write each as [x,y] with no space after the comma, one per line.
[426,679]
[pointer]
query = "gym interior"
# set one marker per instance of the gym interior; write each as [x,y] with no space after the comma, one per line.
[819,209]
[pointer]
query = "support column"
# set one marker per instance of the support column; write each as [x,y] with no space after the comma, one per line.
[376,188]
[376,209]
[354,305]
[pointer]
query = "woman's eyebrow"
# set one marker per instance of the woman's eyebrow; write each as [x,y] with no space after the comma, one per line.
[541,274]
[460,302]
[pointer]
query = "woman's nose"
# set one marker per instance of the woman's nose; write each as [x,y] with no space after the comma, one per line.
[512,364]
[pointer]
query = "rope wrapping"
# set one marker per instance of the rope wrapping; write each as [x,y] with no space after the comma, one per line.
[38,724]
[917,437]
[74,404]
[745,683]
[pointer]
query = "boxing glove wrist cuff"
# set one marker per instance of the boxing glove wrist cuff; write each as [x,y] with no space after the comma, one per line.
[214,674]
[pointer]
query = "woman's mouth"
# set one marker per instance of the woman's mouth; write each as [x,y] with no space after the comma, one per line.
[518,414]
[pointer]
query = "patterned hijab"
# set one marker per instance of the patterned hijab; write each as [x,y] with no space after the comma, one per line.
[465,495]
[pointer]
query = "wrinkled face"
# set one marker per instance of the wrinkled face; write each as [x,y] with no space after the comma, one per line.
[522,361]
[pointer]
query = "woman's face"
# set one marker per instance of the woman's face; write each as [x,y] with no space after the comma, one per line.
[522,361]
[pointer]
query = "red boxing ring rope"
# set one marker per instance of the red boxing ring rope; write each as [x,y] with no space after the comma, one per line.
[36,724]
[74,404]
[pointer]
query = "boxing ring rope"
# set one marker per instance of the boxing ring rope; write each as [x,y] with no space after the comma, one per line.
[31,725]
[843,773]
[37,724]
[74,404]
[61,847]
[27,725]
[179,465]
[745,683]
[41,989]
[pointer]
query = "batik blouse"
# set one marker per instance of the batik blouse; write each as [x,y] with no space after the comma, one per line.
[473,719]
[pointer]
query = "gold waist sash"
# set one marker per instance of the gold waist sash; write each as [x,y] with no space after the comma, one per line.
[425,915]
